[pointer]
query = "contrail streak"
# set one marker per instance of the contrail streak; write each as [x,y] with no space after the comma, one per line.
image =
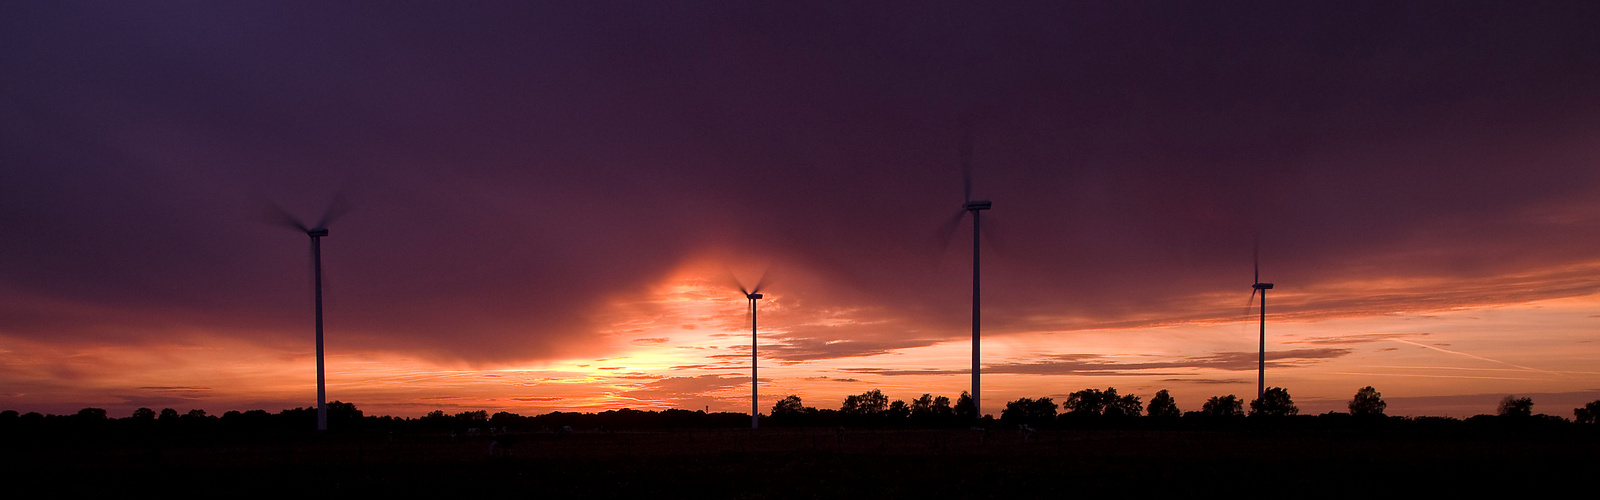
[1428,376]
[1473,356]
[1566,372]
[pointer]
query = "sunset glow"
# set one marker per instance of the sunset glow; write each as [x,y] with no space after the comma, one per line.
[551,207]
[683,343]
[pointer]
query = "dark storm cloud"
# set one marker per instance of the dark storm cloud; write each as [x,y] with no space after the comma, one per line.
[512,168]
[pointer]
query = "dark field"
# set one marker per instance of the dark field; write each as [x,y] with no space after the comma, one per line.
[818,463]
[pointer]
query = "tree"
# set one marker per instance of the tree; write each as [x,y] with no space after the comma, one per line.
[144,414]
[1274,402]
[788,406]
[1029,411]
[1515,407]
[168,415]
[256,417]
[923,406]
[505,419]
[872,402]
[1121,407]
[931,410]
[898,410]
[342,411]
[1224,406]
[91,415]
[1087,402]
[1015,412]
[965,409]
[1094,402]
[1164,406]
[1367,402]
[1587,414]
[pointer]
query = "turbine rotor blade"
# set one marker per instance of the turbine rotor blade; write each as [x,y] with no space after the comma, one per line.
[1257,260]
[1252,302]
[761,282]
[966,165]
[339,206]
[947,231]
[733,280]
[276,215]
[965,149]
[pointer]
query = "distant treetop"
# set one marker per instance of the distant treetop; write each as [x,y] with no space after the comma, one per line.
[1367,402]
[1515,407]
[1274,402]
[1164,406]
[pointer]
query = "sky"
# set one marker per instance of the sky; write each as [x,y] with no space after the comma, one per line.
[550,206]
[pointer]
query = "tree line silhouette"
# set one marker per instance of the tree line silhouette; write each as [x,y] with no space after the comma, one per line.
[1087,408]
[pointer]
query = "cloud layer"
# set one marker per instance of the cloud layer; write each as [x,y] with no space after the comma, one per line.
[520,176]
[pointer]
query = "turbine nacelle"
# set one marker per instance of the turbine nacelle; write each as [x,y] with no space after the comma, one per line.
[752,296]
[318,232]
[1262,286]
[976,205]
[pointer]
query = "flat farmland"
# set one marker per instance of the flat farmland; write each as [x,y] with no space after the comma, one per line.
[810,463]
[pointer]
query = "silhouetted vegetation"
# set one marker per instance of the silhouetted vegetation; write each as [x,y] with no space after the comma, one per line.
[1515,407]
[1164,406]
[932,411]
[1586,414]
[1088,406]
[1223,406]
[1083,409]
[1274,402]
[965,409]
[1085,402]
[1368,402]
[917,440]
[790,405]
[872,402]
[1031,412]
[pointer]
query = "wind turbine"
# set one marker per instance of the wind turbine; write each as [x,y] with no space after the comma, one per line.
[1261,360]
[974,206]
[316,233]
[753,294]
